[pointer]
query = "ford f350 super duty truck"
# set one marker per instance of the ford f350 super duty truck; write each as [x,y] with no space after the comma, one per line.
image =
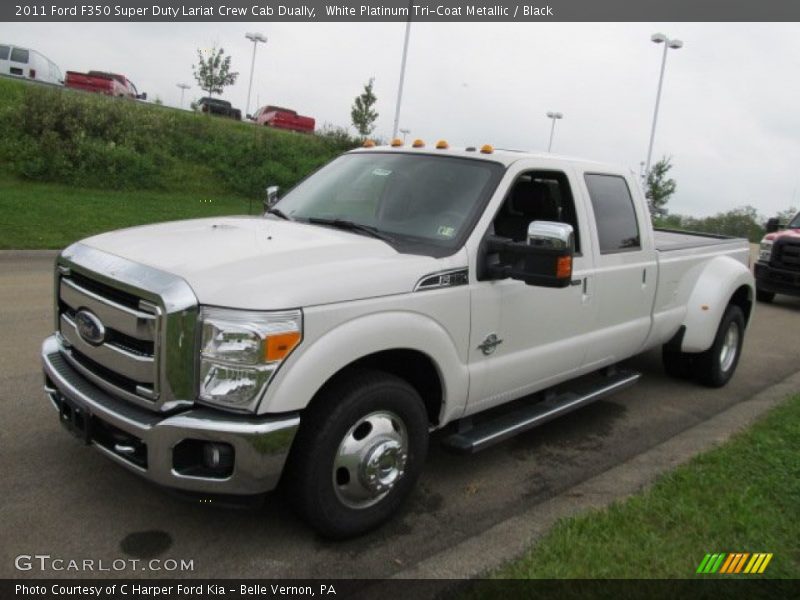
[394,292]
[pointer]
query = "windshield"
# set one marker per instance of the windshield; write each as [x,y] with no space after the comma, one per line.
[419,199]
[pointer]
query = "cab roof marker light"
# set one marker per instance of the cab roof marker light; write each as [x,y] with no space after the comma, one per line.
[442,145]
[418,144]
[487,149]
[369,143]
[397,142]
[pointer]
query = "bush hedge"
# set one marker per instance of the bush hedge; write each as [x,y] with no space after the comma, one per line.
[65,136]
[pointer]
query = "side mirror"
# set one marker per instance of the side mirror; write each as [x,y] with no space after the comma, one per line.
[773,225]
[545,260]
[249,117]
[272,197]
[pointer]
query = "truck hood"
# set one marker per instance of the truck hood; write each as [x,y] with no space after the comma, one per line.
[263,264]
[786,233]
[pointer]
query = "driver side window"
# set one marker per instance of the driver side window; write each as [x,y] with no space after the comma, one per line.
[536,196]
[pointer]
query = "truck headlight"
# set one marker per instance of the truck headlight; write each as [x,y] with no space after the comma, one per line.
[240,352]
[765,250]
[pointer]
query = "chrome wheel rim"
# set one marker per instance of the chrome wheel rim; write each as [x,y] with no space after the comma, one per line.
[730,346]
[370,460]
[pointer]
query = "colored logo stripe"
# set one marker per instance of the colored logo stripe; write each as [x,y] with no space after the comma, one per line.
[734,563]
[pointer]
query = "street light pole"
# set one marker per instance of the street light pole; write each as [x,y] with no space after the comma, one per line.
[402,76]
[659,38]
[184,87]
[255,38]
[554,116]
[405,132]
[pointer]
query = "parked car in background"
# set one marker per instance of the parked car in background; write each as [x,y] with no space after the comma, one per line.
[100,82]
[219,107]
[25,62]
[777,270]
[282,118]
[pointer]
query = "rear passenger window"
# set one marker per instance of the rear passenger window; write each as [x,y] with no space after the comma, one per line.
[19,55]
[4,50]
[614,213]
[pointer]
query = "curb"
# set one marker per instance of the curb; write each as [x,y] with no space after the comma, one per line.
[509,539]
[17,254]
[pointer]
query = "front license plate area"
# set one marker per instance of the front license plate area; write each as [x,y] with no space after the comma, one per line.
[76,418]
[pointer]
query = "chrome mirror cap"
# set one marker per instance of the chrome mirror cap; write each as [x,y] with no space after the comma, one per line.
[551,234]
[272,197]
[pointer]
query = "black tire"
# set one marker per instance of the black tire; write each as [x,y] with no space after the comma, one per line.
[713,367]
[331,421]
[677,364]
[764,296]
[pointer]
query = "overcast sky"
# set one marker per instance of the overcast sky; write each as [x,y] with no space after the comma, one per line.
[730,110]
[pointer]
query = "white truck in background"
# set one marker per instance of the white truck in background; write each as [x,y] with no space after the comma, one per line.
[394,292]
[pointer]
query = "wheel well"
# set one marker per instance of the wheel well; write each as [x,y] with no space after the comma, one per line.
[743,298]
[415,367]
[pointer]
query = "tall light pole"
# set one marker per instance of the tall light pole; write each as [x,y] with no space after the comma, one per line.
[184,87]
[405,132]
[554,116]
[659,38]
[255,38]
[402,75]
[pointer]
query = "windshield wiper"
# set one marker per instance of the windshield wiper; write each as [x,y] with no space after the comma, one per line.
[278,213]
[351,226]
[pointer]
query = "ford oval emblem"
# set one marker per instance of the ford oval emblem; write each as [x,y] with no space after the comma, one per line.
[90,328]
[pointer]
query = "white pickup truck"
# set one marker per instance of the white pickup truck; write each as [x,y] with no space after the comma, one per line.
[394,292]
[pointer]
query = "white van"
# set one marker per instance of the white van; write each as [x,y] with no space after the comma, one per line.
[24,62]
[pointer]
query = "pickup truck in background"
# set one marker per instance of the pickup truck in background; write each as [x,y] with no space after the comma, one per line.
[394,292]
[219,108]
[283,118]
[777,270]
[100,82]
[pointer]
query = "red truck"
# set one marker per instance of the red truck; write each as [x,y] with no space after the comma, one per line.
[100,82]
[777,270]
[283,118]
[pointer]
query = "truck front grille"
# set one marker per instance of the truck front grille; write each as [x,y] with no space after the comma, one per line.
[125,362]
[786,255]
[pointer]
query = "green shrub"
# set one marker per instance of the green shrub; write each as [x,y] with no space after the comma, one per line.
[60,135]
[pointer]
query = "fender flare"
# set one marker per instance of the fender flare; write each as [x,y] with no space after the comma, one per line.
[298,381]
[716,284]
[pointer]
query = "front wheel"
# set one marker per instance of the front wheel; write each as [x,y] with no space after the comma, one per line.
[360,449]
[716,366]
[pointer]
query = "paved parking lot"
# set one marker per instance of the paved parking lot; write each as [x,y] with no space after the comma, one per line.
[65,500]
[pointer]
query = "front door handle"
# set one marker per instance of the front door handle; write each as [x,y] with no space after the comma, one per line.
[488,345]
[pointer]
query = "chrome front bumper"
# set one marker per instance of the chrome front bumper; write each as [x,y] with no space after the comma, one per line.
[260,444]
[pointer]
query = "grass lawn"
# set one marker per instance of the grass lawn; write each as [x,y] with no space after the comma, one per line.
[741,497]
[45,215]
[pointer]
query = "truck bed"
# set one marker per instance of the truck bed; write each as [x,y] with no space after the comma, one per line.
[673,239]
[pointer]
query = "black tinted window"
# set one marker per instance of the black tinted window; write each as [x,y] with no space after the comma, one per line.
[614,213]
[19,55]
[4,50]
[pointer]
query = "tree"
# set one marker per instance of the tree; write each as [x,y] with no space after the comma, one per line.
[213,70]
[362,113]
[660,187]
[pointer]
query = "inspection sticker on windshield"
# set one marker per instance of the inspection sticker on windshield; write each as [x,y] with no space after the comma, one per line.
[446,231]
[381,172]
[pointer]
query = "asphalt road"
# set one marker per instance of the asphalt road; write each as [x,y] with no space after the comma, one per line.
[66,500]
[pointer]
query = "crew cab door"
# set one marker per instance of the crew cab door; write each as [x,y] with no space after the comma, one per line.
[523,336]
[626,268]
